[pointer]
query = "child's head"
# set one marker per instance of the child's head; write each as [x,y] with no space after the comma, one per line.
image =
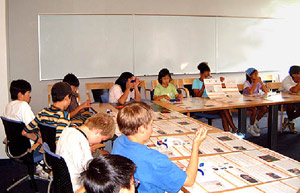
[251,74]
[164,76]
[295,73]
[20,90]
[204,69]
[61,93]
[101,126]
[72,80]
[122,80]
[136,118]
[109,173]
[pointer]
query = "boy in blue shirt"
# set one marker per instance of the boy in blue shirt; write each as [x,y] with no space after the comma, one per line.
[154,170]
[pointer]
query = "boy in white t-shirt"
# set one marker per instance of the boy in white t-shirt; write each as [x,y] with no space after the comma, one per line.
[74,144]
[18,109]
[291,84]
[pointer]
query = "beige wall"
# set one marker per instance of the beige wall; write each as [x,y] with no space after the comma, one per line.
[23,27]
[3,71]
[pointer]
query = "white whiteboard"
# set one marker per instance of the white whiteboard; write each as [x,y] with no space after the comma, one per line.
[107,45]
[178,43]
[249,42]
[86,45]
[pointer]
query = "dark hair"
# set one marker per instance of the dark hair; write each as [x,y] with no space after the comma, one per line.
[162,73]
[203,66]
[122,80]
[294,70]
[71,79]
[248,77]
[132,116]
[60,90]
[108,174]
[17,86]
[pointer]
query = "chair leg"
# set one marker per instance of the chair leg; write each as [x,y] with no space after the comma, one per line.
[31,175]
[281,120]
[18,182]
[209,122]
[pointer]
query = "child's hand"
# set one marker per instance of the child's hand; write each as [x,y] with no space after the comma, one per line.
[137,82]
[180,97]
[222,79]
[128,84]
[166,97]
[86,104]
[200,136]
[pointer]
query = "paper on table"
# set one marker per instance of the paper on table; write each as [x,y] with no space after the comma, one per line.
[293,182]
[247,189]
[190,124]
[213,88]
[275,187]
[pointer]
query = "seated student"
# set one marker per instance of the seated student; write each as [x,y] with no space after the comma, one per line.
[18,109]
[166,90]
[200,91]
[125,89]
[55,115]
[109,173]
[74,143]
[253,85]
[291,84]
[154,170]
[74,108]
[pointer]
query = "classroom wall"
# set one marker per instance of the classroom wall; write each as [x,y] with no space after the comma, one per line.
[3,72]
[23,28]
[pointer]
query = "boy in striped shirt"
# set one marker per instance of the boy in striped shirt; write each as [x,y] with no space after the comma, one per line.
[55,115]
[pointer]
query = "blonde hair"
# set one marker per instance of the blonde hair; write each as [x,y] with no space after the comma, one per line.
[101,121]
[132,116]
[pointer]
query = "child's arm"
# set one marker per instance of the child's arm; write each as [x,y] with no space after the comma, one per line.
[192,168]
[124,97]
[137,94]
[263,87]
[251,90]
[86,104]
[200,92]
[295,89]
[157,98]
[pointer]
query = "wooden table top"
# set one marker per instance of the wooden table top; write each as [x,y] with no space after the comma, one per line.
[197,104]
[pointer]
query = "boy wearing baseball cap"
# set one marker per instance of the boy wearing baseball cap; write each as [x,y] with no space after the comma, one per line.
[291,84]
[55,115]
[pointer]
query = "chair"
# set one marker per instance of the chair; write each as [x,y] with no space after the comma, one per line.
[268,78]
[240,87]
[60,176]
[98,90]
[49,95]
[48,134]
[187,83]
[18,148]
[275,86]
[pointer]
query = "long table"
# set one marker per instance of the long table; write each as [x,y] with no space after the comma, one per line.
[228,164]
[241,103]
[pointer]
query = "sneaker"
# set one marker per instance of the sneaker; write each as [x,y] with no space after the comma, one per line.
[285,124]
[256,124]
[39,170]
[252,132]
[256,129]
[292,128]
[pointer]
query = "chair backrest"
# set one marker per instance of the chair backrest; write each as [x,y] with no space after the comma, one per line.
[48,133]
[240,87]
[268,78]
[273,85]
[188,84]
[97,90]
[17,143]
[49,95]
[143,84]
[61,176]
